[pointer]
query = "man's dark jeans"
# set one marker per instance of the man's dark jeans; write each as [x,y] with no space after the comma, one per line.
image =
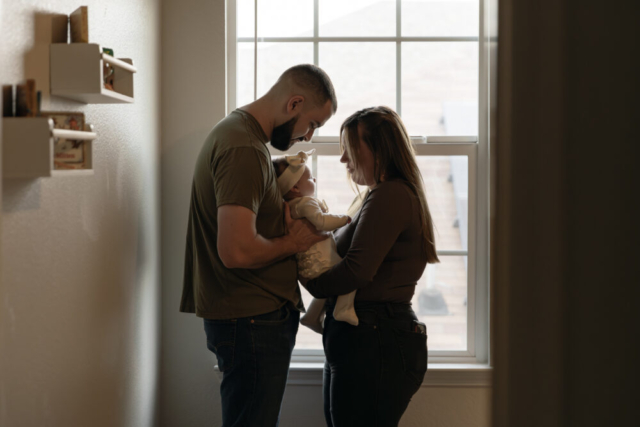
[372,369]
[253,355]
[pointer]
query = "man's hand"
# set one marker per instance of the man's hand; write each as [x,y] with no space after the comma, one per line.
[301,232]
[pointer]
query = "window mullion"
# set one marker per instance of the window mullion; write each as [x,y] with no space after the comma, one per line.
[232,55]
[399,57]
[316,31]
[316,47]
[255,50]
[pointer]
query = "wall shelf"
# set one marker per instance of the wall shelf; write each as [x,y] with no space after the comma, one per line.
[77,74]
[28,147]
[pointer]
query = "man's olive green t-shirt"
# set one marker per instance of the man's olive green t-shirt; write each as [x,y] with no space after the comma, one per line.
[234,168]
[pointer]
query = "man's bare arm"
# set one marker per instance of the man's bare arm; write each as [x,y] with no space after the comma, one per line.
[240,245]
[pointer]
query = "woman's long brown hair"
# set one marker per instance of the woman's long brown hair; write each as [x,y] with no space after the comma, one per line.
[384,133]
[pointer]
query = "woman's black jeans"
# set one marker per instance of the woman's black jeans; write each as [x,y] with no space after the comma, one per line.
[372,369]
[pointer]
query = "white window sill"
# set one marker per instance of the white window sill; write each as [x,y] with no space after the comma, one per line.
[438,374]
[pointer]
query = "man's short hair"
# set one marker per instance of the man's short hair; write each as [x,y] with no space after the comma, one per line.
[313,80]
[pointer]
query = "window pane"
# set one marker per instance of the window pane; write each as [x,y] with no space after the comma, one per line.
[275,58]
[440,88]
[446,181]
[285,18]
[440,301]
[423,18]
[244,74]
[357,18]
[363,74]
[245,17]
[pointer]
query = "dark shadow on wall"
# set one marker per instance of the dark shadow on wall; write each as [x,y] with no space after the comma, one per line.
[182,333]
[24,194]
[48,28]
[20,195]
[97,279]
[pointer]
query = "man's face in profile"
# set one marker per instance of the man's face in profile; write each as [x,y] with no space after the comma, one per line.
[301,127]
[282,136]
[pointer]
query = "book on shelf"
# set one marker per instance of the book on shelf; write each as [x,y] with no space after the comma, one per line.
[27,99]
[7,101]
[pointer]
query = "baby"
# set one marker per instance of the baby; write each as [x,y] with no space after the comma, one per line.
[298,187]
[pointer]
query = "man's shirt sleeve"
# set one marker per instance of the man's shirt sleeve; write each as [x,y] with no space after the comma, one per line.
[239,177]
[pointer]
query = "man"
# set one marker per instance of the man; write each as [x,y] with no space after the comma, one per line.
[240,275]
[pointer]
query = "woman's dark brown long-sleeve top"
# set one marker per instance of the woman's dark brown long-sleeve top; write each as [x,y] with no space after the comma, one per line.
[382,249]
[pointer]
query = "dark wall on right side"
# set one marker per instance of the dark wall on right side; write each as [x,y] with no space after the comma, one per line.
[565,224]
[603,231]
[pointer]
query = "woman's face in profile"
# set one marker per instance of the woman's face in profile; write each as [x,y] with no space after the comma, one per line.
[363,173]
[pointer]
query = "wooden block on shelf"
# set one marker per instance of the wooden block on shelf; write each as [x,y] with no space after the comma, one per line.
[79,22]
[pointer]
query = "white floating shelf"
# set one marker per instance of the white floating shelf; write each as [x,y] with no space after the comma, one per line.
[28,146]
[77,73]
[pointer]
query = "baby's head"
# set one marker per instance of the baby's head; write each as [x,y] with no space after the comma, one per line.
[294,176]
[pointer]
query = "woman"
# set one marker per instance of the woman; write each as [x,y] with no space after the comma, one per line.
[374,369]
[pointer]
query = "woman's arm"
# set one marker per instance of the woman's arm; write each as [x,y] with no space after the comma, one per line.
[385,214]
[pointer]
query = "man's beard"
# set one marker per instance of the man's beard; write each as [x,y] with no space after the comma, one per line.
[281,137]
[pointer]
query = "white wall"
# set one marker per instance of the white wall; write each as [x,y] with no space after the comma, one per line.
[79,315]
[194,100]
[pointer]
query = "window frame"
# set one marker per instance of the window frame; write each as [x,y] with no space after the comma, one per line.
[474,148]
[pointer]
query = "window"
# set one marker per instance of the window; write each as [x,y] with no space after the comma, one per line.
[422,58]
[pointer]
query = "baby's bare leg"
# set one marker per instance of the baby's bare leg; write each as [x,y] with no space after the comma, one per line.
[315,314]
[344,310]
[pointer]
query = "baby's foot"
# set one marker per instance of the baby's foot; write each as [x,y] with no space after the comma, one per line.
[348,316]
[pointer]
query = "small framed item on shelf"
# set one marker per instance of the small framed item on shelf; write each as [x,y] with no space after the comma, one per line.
[68,154]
